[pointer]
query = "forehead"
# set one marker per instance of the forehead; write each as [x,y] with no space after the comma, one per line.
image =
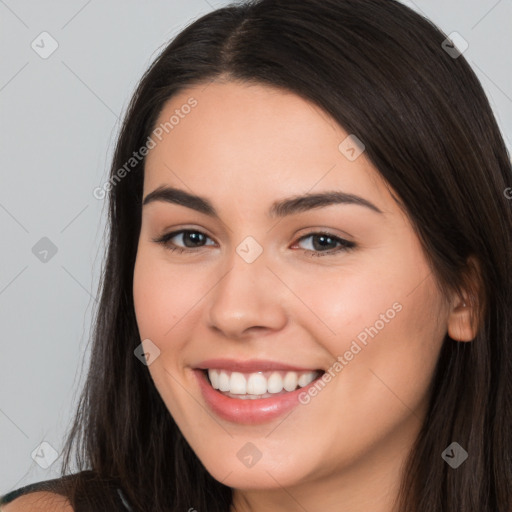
[258,141]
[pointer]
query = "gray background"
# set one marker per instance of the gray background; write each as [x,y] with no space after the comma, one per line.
[59,119]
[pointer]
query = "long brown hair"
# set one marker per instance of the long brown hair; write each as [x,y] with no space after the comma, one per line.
[382,72]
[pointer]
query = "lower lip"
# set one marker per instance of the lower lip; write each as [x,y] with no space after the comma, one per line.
[248,412]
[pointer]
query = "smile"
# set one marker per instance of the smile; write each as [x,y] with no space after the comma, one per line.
[252,392]
[258,385]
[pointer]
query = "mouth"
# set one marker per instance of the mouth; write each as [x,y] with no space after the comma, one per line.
[260,384]
[253,393]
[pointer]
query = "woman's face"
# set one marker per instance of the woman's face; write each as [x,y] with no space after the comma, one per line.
[268,295]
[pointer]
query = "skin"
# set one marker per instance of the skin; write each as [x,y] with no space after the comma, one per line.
[40,501]
[244,147]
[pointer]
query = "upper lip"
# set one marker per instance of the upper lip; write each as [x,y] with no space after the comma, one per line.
[251,365]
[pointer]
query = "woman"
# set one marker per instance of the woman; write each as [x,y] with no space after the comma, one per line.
[233,369]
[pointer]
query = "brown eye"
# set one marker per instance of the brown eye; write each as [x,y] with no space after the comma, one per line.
[188,240]
[326,243]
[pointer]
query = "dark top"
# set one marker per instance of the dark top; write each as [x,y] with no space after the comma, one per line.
[116,493]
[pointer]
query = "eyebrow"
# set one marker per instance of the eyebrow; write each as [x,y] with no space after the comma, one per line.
[280,208]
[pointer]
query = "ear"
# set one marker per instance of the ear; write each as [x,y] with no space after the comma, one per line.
[464,316]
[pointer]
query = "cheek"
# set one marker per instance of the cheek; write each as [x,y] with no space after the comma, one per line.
[341,304]
[163,298]
[388,358]
[387,326]
[163,301]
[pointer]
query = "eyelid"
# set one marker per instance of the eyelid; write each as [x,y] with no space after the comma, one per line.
[336,233]
[169,232]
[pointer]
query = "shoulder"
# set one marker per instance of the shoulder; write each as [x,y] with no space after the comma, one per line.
[39,496]
[63,494]
[38,501]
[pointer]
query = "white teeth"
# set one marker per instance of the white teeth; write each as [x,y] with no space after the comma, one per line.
[237,384]
[254,385]
[290,381]
[275,383]
[214,377]
[223,381]
[305,379]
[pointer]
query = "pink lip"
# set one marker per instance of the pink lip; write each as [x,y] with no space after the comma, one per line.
[253,365]
[248,412]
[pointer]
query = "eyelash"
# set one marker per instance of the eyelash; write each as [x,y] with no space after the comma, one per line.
[345,245]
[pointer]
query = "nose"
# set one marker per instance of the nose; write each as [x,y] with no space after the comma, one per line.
[248,300]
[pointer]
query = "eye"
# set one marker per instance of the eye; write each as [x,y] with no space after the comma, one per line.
[196,240]
[193,240]
[322,241]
